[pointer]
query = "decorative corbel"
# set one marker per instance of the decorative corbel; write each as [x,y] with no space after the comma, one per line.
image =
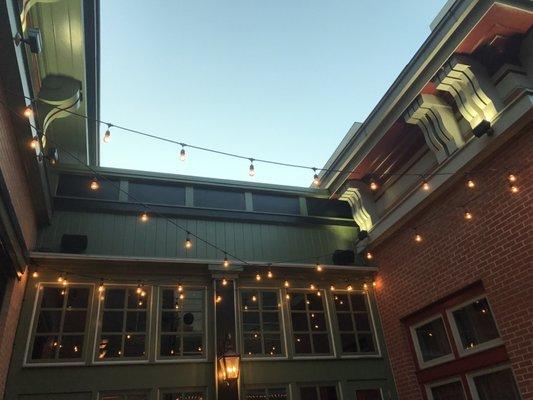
[58,98]
[471,88]
[436,120]
[357,194]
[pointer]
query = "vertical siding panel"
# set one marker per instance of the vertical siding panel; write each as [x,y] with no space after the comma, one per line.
[172,240]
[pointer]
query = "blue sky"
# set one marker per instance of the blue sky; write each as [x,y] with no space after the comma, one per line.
[280,80]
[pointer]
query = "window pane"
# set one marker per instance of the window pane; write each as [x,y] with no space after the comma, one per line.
[192,322]
[134,346]
[345,322]
[44,347]
[74,321]
[370,394]
[192,345]
[112,321]
[432,340]
[252,344]
[297,301]
[302,344]
[498,385]
[250,321]
[320,343]
[110,346]
[170,345]
[71,347]
[366,342]
[49,321]
[52,298]
[349,343]
[314,302]
[299,322]
[318,322]
[114,298]
[308,393]
[78,297]
[448,391]
[328,393]
[169,298]
[475,324]
[135,321]
[170,321]
[269,300]
[362,322]
[272,344]
[341,302]
[358,302]
[271,322]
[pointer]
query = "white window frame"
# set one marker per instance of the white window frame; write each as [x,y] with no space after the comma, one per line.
[87,351]
[377,352]
[159,308]
[331,335]
[436,361]
[98,326]
[283,328]
[187,389]
[472,385]
[431,385]
[455,330]
[336,384]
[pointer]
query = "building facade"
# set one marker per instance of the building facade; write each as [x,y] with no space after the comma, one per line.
[409,277]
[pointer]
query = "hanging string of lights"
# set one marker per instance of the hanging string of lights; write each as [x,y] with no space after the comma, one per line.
[373,181]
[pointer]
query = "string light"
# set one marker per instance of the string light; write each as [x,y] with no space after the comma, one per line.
[254,298]
[139,288]
[369,255]
[35,274]
[224,281]
[257,277]
[288,296]
[183,154]
[251,170]
[28,112]
[101,286]
[470,184]
[144,217]
[188,242]
[417,237]
[425,185]
[512,177]
[468,215]
[514,188]
[226,261]
[95,185]
[107,134]
[218,299]
[373,185]
[34,143]
[64,282]
[316,179]
[270,275]
[319,267]
[312,286]
[180,287]
[182,296]
[349,287]
[286,284]
[332,287]
[365,286]
[143,293]
[374,283]
[318,292]
[60,278]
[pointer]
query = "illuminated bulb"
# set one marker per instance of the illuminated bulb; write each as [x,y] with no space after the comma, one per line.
[35,274]
[143,293]
[312,286]
[270,274]
[226,262]
[101,286]
[224,281]
[349,288]
[180,287]
[468,215]
[365,286]
[34,143]
[254,298]
[139,289]
[374,284]
[514,189]
[369,255]
[425,186]
[94,184]
[470,184]
[512,178]
[258,277]
[28,112]
[60,278]
[183,154]
[418,238]
[144,217]
[374,186]
[288,296]
[251,170]
[332,287]
[218,299]
[319,293]
[286,284]
[107,134]
[316,179]
[182,296]
[65,282]
[319,267]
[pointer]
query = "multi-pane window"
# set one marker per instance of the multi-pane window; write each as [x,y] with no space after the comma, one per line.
[474,324]
[355,326]
[261,323]
[368,394]
[61,323]
[123,323]
[183,395]
[270,393]
[309,323]
[498,384]
[182,324]
[446,391]
[322,392]
[431,341]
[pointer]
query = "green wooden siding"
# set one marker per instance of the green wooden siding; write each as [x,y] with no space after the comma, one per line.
[125,235]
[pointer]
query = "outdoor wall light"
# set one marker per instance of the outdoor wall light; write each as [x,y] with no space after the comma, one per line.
[229,364]
[482,128]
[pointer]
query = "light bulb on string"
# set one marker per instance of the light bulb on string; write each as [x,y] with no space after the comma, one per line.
[218,299]
[34,143]
[139,288]
[183,154]
[316,179]
[28,111]
[425,185]
[257,277]
[514,188]
[224,282]
[374,283]
[312,286]
[35,274]
[101,286]
[144,217]
[332,287]
[107,134]
[512,177]
[468,215]
[226,261]
[373,185]
[319,267]
[470,183]
[369,255]
[60,278]
[180,287]
[270,275]
[95,185]
[188,242]
[349,287]
[251,170]
[286,284]
[417,237]
[182,296]
[365,286]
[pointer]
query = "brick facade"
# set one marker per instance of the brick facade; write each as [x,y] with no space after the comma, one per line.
[496,248]
[19,191]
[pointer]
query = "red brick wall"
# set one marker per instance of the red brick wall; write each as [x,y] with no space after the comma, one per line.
[496,247]
[14,175]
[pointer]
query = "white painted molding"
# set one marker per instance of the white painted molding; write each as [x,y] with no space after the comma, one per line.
[58,98]
[26,7]
[471,88]
[357,194]
[436,120]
